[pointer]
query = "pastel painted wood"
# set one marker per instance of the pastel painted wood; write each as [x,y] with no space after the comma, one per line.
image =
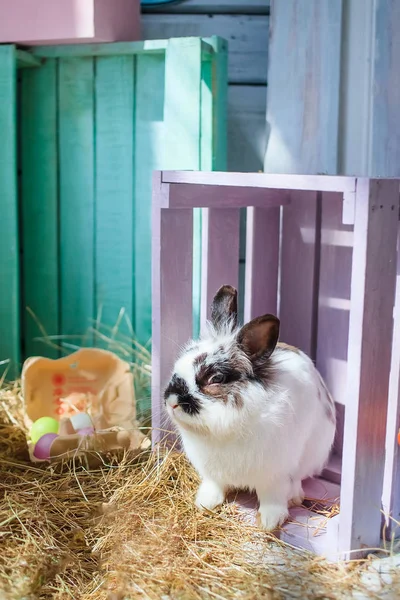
[268,181]
[334,296]
[172,248]
[149,153]
[76,195]
[102,118]
[211,7]
[117,49]
[184,196]
[262,262]
[370,89]
[11,60]
[369,357]
[9,239]
[220,254]
[114,126]
[69,21]
[391,483]
[299,271]
[247,36]
[303,87]
[359,469]
[247,135]
[385,146]
[40,311]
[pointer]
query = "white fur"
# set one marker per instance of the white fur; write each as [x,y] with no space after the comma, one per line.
[280,436]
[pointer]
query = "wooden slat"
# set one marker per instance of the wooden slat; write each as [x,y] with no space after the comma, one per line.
[391,482]
[114,190]
[318,183]
[92,50]
[333,470]
[299,271]
[385,93]
[185,195]
[150,146]
[219,83]
[303,87]
[338,441]
[356,83]
[190,81]
[369,357]
[242,277]
[262,262]
[246,128]
[334,296]
[172,260]
[247,37]
[220,254]
[76,142]
[369,129]
[39,155]
[206,162]
[206,115]
[183,82]
[9,247]
[259,7]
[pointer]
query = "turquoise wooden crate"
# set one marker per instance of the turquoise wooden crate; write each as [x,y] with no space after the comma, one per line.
[96,120]
[11,60]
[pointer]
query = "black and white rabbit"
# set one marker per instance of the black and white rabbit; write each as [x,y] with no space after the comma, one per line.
[251,413]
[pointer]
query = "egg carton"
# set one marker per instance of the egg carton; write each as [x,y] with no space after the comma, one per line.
[91,381]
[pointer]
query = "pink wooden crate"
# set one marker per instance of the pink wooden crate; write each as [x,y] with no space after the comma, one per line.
[294,277]
[34,22]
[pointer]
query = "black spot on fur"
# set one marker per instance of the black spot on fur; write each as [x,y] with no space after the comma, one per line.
[225,368]
[186,401]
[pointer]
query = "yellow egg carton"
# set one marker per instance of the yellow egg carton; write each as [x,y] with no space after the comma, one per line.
[91,381]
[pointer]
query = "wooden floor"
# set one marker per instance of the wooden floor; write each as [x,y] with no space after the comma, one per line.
[305,528]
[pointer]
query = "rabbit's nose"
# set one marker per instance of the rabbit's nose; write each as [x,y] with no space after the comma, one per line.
[172,401]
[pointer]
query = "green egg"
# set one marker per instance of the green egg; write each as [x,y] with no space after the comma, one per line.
[42,426]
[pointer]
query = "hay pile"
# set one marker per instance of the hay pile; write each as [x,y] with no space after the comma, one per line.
[129,530]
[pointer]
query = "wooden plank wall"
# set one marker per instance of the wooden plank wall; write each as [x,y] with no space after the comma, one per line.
[245,25]
[93,129]
[9,242]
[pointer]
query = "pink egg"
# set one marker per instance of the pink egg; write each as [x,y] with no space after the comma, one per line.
[43,445]
[85,431]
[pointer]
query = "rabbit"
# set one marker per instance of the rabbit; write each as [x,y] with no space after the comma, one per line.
[251,413]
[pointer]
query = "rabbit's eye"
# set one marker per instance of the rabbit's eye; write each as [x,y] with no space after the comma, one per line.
[217,378]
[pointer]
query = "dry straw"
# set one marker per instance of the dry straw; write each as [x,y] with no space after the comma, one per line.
[127,528]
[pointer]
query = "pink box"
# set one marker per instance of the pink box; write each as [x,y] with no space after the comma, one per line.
[34,22]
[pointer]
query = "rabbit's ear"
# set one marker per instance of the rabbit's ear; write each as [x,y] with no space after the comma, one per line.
[259,337]
[224,308]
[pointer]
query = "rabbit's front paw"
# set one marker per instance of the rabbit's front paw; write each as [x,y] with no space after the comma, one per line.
[209,495]
[271,516]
